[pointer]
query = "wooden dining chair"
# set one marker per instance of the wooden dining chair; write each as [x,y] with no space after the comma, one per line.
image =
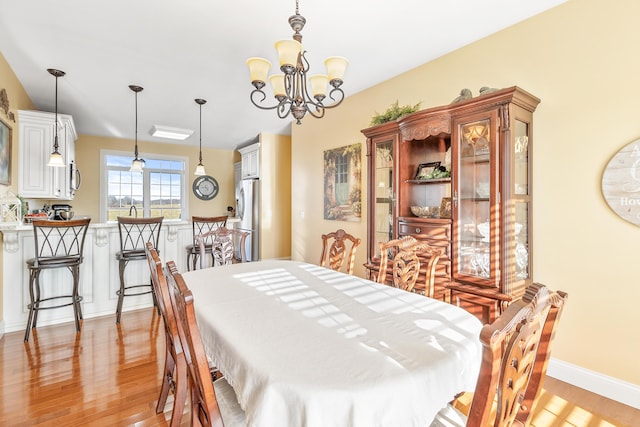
[516,351]
[200,226]
[174,376]
[222,245]
[213,403]
[406,263]
[334,250]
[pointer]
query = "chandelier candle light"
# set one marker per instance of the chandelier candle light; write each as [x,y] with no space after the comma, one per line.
[137,164]
[290,89]
[200,168]
[56,160]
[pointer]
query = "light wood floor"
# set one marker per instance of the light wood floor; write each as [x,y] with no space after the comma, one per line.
[108,375]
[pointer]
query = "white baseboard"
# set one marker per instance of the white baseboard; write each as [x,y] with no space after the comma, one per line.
[1,329]
[612,388]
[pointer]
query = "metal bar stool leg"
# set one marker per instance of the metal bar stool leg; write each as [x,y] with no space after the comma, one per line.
[32,311]
[75,297]
[120,292]
[36,303]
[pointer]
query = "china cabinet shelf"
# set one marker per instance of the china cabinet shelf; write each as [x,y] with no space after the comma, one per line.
[486,144]
[429,181]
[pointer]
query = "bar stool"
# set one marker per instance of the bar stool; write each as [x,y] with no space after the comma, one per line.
[58,244]
[201,226]
[134,235]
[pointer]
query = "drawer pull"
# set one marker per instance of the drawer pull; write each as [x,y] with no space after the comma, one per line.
[418,230]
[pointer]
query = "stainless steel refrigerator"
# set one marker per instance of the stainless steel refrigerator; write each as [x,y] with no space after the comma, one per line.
[249,213]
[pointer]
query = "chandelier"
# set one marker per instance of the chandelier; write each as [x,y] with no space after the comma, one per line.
[291,89]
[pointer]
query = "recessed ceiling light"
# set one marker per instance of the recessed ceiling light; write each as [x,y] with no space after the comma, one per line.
[170,132]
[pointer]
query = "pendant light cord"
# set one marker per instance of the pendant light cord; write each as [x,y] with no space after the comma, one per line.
[136,134]
[200,134]
[55,141]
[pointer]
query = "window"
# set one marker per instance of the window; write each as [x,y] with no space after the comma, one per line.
[158,191]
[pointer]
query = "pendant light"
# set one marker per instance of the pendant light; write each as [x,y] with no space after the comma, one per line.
[200,168]
[137,164]
[56,160]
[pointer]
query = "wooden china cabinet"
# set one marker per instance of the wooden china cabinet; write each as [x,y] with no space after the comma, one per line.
[474,156]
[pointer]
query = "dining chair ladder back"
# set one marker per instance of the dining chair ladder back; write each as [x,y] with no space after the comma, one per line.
[174,377]
[223,246]
[134,235]
[516,349]
[406,266]
[213,403]
[334,250]
[201,225]
[58,244]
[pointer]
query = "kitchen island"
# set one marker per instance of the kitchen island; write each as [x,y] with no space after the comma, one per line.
[99,278]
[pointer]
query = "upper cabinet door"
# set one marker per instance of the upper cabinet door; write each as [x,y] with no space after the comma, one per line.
[476,197]
[250,161]
[36,134]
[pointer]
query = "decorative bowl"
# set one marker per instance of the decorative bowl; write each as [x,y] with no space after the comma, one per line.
[66,215]
[426,211]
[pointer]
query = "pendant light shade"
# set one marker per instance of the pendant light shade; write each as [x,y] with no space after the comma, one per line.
[137,164]
[56,160]
[200,168]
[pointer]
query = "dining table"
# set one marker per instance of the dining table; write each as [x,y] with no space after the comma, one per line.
[307,346]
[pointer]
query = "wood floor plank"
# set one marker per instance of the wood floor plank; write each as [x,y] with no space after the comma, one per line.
[109,375]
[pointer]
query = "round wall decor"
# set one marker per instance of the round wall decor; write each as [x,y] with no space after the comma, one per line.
[621,183]
[205,187]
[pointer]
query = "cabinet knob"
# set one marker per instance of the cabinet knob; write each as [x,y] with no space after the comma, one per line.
[418,230]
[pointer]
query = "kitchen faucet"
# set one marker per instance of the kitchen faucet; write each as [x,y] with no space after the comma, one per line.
[133,208]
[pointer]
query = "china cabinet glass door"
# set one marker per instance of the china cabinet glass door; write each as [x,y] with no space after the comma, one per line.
[384,194]
[475,200]
[521,199]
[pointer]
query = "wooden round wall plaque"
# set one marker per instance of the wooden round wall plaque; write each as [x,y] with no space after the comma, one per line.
[621,183]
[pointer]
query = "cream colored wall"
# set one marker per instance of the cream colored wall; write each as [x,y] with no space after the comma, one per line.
[218,164]
[18,100]
[275,196]
[581,60]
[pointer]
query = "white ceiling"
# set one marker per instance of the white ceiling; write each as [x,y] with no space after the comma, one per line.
[182,50]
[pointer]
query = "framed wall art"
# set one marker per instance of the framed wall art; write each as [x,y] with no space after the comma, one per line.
[445,207]
[5,153]
[426,170]
[342,191]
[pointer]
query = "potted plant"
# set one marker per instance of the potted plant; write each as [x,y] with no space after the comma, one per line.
[394,112]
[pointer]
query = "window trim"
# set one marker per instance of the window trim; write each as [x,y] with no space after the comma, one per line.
[184,191]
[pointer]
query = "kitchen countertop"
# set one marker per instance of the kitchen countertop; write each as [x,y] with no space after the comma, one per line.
[27,226]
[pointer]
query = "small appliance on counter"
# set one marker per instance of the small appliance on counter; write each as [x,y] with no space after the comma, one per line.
[62,212]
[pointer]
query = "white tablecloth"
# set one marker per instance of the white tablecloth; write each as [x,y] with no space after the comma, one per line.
[306,346]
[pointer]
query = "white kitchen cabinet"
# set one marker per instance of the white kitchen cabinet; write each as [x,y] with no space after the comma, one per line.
[35,143]
[250,161]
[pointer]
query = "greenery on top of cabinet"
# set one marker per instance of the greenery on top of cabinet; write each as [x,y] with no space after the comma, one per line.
[394,112]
